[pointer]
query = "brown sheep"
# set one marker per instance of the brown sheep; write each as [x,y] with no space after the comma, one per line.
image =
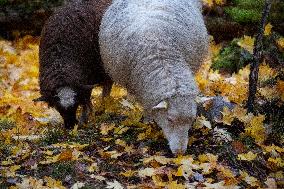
[70,62]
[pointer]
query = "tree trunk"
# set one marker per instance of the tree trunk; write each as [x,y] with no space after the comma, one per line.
[257,57]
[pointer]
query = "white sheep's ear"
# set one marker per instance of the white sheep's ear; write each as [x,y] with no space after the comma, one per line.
[161,105]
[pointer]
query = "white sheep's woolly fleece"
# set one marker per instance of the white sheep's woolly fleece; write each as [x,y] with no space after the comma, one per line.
[152,47]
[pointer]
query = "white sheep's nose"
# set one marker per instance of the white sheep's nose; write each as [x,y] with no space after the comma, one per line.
[178,147]
[177,142]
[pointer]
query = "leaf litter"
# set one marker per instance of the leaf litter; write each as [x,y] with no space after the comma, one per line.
[118,150]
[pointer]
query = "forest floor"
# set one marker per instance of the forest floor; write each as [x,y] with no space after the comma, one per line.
[117,150]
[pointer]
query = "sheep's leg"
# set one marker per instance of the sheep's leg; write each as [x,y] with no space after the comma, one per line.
[86,111]
[86,108]
[107,85]
[69,117]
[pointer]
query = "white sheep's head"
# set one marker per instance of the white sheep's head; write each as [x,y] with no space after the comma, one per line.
[175,116]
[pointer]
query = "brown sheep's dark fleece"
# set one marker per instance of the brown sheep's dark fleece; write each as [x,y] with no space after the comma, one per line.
[70,58]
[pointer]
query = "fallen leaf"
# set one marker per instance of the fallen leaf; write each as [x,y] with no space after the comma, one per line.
[147,172]
[267,29]
[114,185]
[247,157]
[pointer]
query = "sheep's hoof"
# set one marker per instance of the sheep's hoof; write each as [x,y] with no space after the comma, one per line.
[83,120]
[69,125]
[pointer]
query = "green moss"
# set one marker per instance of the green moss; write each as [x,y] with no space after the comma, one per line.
[243,15]
[3,2]
[249,4]
[250,11]
[231,58]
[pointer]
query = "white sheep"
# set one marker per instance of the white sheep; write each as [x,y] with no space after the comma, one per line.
[152,47]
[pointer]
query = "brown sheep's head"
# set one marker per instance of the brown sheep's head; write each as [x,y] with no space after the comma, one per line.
[66,103]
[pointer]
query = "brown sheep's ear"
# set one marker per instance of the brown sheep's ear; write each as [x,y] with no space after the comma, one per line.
[40,99]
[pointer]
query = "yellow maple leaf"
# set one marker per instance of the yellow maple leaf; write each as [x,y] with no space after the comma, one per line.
[202,122]
[12,171]
[92,167]
[279,175]
[158,181]
[273,148]
[214,48]
[256,128]
[227,116]
[147,172]
[214,75]
[106,128]
[278,162]
[185,170]
[118,91]
[247,43]
[207,168]
[208,158]
[203,158]
[186,167]
[220,2]
[113,154]
[267,29]
[209,3]
[212,162]
[241,114]
[179,172]
[121,129]
[114,185]
[271,183]
[52,183]
[106,139]
[226,174]
[141,136]
[120,142]
[249,179]
[129,149]
[247,157]
[65,155]
[269,93]
[68,146]
[128,173]
[201,81]
[74,131]
[160,159]
[220,185]
[7,162]
[175,185]
[266,72]
[280,43]
[280,88]
[30,182]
